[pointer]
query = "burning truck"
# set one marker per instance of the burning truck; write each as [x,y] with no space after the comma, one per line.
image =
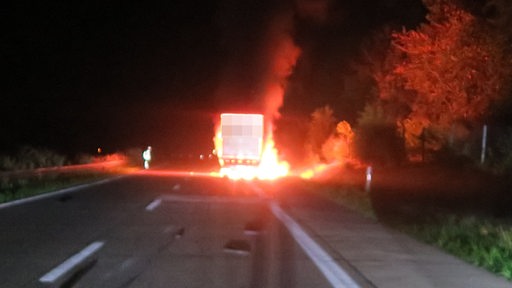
[244,151]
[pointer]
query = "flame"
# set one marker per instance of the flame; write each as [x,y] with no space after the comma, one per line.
[271,167]
[312,172]
[280,57]
[239,172]
[217,142]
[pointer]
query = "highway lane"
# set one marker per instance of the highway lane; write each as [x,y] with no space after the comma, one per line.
[155,231]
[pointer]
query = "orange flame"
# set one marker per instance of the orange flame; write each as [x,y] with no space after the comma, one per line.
[281,56]
[312,172]
[271,167]
[217,142]
[337,151]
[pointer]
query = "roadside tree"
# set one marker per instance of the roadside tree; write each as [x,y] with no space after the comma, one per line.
[441,78]
[321,127]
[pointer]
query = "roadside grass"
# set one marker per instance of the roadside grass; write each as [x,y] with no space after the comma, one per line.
[31,171]
[351,197]
[14,188]
[479,239]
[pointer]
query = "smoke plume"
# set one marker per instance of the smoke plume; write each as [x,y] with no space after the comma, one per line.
[283,54]
[259,55]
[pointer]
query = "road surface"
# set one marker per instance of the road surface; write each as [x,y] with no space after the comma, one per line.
[152,231]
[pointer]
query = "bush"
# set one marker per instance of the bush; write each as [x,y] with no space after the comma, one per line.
[376,139]
[7,163]
[83,158]
[450,158]
[134,156]
[482,242]
[28,158]
[379,145]
[502,156]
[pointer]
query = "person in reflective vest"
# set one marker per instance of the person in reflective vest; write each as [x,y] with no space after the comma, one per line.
[146,155]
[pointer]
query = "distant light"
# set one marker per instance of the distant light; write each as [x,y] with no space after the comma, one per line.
[201,157]
[369,172]
[99,150]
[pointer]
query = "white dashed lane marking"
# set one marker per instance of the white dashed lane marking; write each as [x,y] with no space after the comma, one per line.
[71,263]
[154,204]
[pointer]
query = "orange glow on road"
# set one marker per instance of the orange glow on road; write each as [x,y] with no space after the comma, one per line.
[178,173]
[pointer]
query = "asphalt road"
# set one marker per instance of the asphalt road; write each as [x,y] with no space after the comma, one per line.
[152,231]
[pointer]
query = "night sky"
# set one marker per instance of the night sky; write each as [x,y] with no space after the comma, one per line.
[85,74]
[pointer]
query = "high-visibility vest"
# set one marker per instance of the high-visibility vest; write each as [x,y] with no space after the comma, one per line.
[146,155]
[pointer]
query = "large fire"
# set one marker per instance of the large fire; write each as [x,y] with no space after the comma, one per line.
[279,55]
[337,150]
[269,168]
[217,142]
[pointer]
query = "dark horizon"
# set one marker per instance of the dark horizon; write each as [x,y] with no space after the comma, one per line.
[82,76]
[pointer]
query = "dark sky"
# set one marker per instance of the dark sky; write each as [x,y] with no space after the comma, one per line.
[84,74]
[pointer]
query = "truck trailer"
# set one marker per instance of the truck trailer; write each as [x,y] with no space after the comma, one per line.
[242,142]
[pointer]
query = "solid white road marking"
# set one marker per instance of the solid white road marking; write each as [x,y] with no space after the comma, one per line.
[71,263]
[327,265]
[155,203]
